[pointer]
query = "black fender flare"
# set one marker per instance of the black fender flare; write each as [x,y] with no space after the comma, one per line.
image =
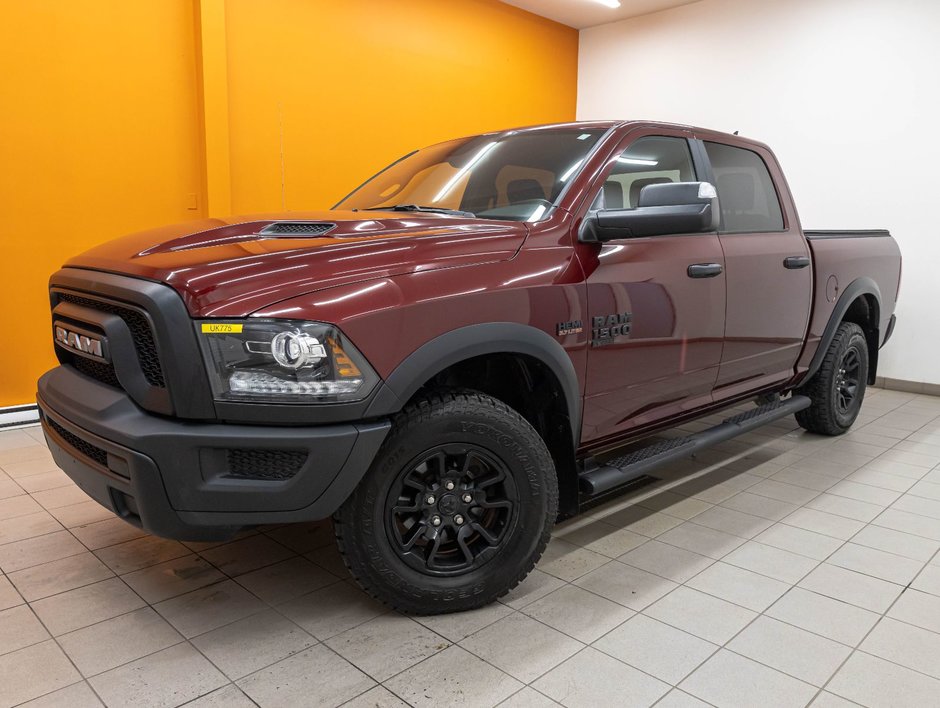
[476,340]
[858,287]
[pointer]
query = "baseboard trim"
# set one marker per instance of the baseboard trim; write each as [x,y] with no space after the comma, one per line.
[18,416]
[905,386]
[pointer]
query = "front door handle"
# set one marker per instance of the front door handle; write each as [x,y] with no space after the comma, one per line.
[794,262]
[704,270]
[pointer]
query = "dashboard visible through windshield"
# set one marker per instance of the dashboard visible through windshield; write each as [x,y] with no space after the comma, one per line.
[514,176]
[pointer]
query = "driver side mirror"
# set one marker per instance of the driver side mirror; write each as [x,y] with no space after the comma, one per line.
[662,209]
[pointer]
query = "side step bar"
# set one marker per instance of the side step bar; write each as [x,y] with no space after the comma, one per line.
[600,478]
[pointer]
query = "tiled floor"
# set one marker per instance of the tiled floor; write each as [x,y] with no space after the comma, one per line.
[779,569]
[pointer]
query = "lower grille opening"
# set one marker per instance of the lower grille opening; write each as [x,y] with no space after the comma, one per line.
[96,370]
[83,447]
[258,463]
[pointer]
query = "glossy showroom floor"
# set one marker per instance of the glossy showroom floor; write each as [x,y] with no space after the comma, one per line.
[779,570]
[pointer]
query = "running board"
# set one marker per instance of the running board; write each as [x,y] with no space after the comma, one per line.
[600,478]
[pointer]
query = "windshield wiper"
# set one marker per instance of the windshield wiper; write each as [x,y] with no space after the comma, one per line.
[428,209]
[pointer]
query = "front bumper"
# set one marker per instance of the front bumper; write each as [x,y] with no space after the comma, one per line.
[194,480]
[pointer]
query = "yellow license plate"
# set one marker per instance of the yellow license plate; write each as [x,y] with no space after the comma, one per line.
[221,328]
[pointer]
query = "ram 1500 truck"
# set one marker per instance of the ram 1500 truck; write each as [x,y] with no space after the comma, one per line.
[450,359]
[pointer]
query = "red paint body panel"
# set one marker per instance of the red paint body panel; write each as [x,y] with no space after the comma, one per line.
[879,260]
[394,281]
[226,269]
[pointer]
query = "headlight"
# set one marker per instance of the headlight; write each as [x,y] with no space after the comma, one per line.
[287,361]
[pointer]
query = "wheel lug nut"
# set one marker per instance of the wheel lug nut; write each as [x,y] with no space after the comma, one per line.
[430,499]
[435,521]
[467,498]
[448,485]
[458,519]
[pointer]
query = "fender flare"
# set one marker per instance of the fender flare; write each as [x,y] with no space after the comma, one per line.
[858,287]
[476,340]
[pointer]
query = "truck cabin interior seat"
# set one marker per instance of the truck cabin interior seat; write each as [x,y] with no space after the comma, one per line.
[524,190]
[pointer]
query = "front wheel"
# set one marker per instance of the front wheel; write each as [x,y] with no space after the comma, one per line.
[456,509]
[838,388]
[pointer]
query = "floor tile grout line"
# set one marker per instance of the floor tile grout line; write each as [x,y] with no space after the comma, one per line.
[681,519]
[230,683]
[184,638]
[68,658]
[758,615]
[582,646]
[862,641]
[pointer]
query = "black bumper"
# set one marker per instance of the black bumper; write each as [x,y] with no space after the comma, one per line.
[195,481]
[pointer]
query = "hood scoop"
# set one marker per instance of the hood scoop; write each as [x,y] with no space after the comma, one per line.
[242,231]
[282,229]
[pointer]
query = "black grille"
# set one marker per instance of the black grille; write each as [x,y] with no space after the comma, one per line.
[96,370]
[140,332]
[297,228]
[83,447]
[252,463]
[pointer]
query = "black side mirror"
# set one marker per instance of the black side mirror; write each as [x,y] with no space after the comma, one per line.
[669,208]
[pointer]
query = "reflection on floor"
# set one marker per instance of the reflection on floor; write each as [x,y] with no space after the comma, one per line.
[777,569]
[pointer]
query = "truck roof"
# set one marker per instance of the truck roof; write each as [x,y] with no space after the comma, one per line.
[612,124]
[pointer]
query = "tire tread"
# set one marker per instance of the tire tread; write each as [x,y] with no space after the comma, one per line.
[412,416]
[820,418]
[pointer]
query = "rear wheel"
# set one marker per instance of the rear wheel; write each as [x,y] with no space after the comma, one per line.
[456,509]
[838,388]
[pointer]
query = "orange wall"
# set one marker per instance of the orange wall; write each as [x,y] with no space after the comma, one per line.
[97,138]
[347,87]
[101,122]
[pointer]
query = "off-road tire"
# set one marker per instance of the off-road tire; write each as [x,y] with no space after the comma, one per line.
[365,526]
[827,415]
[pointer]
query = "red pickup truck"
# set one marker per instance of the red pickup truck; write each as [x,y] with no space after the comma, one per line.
[459,352]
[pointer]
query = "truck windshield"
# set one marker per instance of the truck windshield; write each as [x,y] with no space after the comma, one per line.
[512,176]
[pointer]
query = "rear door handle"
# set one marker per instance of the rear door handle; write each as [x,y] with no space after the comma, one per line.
[704,270]
[794,262]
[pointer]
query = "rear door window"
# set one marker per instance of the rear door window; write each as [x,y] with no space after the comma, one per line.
[745,190]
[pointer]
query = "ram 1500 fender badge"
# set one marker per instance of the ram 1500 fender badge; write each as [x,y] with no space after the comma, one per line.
[78,342]
[572,327]
[606,328]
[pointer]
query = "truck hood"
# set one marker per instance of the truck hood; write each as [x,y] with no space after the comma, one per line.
[232,267]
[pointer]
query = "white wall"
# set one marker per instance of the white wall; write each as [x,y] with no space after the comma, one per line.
[846,92]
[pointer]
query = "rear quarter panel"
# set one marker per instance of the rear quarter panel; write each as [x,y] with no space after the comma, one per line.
[845,260]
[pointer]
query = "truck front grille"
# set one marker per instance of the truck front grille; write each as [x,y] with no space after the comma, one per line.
[259,463]
[96,370]
[83,447]
[141,333]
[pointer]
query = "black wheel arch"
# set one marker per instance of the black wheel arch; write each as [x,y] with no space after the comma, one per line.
[472,341]
[860,303]
[453,350]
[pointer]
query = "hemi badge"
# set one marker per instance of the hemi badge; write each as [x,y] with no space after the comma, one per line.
[221,328]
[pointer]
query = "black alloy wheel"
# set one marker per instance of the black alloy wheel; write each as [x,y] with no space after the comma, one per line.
[846,381]
[449,510]
[837,389]
[456,508]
